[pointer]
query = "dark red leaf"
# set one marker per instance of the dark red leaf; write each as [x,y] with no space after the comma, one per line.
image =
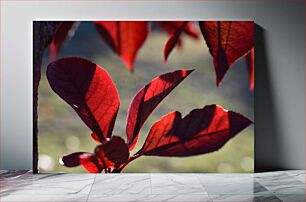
[173,40]
[251,69]
[110,154]
[124,37]
[201,131]
[227,41]
[60,36]
[147,99]
[89,90]
[74,159]
[172,26]
[89,161]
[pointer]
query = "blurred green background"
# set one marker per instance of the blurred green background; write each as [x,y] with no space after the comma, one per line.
[61,131]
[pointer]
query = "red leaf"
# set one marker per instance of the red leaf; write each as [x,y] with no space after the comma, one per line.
[110,154]
[124,37]
[172,26]
[201,131]
[93,164]
[89,90]
[147,99]
[89,161]
[173,40]
[227,41]
[60,36]
[251,69]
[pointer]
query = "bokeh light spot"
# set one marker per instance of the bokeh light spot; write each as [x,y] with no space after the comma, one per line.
[45,162]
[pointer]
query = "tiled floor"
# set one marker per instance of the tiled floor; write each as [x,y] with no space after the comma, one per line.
[273,186]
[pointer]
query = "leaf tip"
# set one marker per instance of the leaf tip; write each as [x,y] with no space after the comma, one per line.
[187,72]
[61,162]
[130,66]
[165,59]
[190,70]
[248,122]
[239,119]
[218,82]
[166,53]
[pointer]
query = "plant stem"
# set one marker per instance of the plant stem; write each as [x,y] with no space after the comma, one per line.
[132,158]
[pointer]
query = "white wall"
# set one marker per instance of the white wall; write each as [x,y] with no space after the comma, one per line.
[280,78]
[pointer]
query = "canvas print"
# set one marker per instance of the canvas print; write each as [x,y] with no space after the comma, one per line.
[145,96]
